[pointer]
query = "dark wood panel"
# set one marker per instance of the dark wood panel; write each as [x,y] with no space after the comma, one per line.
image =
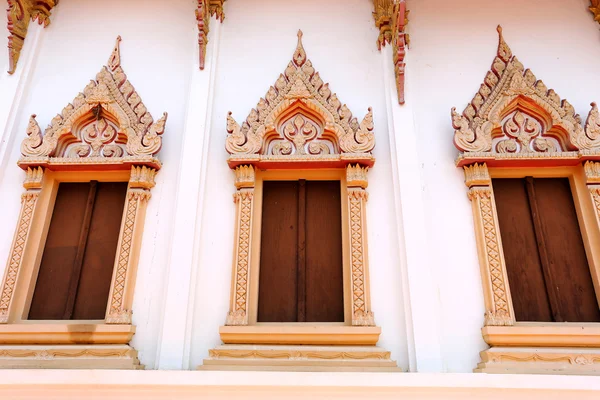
[52,284]
[569,272]
[98,262]
[324,269]
[277,294]
[525,276]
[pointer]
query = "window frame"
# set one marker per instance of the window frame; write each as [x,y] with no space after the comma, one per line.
[501,329]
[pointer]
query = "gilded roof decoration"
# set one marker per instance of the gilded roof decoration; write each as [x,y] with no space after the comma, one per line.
[298,120]
[515,116]
[20,13]
[105,124]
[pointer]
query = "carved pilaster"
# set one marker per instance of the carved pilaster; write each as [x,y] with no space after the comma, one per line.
[204,10]
[356,177]
[592,176]
[20,13]
[126,260]
[33,183]
[498,303]
[244,200]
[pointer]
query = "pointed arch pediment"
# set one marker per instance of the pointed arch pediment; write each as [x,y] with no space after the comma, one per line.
[300,120]
[105,124]
[515,118]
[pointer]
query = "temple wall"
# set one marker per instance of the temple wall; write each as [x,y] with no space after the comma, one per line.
[452,47]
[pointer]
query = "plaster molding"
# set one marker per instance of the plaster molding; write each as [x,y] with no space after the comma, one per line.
[105,124]
[391,18]
[595,9]
[20,13]
[514,117]
[300,120]
[204,10]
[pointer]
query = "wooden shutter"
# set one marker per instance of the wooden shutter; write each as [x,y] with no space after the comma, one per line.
[301,274]
[76,268]
[548,272]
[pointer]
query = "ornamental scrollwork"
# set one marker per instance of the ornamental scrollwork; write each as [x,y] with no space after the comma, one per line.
[108,120]
[300,117]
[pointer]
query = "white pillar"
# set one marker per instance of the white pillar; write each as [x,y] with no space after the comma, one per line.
[12,89]
[174,339]
[421,300]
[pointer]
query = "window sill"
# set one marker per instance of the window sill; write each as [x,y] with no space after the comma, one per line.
[65,333]
[300,334]
[544,334]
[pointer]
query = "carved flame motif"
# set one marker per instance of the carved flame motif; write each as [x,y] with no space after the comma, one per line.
[316,111]
[542,118]
[70,134]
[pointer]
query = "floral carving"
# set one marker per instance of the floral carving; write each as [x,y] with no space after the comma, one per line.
[300,117]
[204,10]
[595,9]
[514,112]
[106,120]
[20,13]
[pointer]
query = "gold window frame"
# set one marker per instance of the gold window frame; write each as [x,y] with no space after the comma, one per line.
[120,149]
[515,127]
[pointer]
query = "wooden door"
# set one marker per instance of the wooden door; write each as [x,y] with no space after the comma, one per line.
[76,268]
[547,267]
[301,273]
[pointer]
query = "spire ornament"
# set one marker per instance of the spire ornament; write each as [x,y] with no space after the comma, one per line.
[300,121]
[514,116]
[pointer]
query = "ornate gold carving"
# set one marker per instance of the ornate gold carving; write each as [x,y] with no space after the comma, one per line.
[356,176]
[204,10]
[542,360]
[238,315]
[142,177]
[244,176]
[20,13]
[361,313]
[595,9]
[28,201]
[477,175]
[117,312]
[498,311]
[299,119]
[107,121]
[515,116]
[33,178]
[391,17]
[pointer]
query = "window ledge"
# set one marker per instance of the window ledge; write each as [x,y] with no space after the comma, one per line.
[299,334]
[65,333]
[549,334]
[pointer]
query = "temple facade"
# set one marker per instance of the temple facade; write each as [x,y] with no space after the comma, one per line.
[262,199]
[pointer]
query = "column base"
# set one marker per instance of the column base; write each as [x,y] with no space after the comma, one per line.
[540,360]
[299,358]
[100,356]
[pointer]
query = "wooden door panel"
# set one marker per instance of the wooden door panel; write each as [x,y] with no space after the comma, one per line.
[277,293]
[525,276]
[99,258]
[324,270]
[52,284]
[568,266]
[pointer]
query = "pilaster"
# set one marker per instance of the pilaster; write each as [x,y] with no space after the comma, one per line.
[174,340]
[421,300]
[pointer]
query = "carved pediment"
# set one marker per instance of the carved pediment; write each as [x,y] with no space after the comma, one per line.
[105,124]
[300,120]
[514,116]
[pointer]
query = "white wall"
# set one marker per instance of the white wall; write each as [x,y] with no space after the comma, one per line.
[452,47]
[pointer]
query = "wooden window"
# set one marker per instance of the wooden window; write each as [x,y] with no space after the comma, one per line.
[301,273]
[77,264]
[547,267]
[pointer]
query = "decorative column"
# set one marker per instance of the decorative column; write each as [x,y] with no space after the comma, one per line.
[498,304]
[592,177]
[244,199]
[32,184]
[130,237]
[356,180]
